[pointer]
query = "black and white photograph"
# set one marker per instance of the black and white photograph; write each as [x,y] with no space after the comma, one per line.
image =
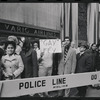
[49,50]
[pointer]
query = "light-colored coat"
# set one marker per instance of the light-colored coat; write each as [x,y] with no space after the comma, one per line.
[68,66]
[47,59]
[12,65]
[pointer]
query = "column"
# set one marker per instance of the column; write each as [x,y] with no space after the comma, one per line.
[75,23]
[93,22]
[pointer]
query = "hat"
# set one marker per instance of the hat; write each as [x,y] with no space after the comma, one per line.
[13,38]
[84,45]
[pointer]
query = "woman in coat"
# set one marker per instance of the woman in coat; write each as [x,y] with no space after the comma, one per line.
[12,63]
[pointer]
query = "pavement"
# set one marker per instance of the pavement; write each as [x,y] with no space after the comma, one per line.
[92,92]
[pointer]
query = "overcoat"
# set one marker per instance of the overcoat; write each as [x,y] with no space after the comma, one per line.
[84,63]
[30,62]
[12,65]
[68,66]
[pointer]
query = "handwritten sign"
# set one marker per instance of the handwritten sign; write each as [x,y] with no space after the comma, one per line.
[50,45]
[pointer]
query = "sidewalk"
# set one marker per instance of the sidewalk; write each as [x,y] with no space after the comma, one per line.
[92,92]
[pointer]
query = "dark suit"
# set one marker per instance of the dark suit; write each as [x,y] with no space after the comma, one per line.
[93,56]
[97,64]
[30,62]
[84,63]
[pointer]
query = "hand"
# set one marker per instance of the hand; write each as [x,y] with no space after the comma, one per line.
[12,76]
[42,53]
[40,59]
[5,74]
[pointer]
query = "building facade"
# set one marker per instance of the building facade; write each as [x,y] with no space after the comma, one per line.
[80,21]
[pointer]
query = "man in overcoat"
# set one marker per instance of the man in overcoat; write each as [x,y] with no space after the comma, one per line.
[84,63]
[67,63]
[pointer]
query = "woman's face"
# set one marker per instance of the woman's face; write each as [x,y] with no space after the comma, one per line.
[10,49]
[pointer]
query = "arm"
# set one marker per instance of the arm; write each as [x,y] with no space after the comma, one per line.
[38,54]
[21,67]
[3,73]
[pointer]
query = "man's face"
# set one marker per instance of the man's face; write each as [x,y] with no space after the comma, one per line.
[82,48]
[67,41]
[94,47]
[35,45]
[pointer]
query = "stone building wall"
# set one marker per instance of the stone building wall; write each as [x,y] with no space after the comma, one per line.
[45,15]
[82,22]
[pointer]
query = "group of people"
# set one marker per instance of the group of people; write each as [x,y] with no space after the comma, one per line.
[19,59]
[78,60]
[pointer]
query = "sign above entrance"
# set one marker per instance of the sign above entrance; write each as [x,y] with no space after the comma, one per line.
[27,30]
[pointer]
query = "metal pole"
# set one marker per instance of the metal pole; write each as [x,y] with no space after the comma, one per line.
[64,17]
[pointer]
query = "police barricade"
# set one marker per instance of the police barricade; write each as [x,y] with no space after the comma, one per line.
[19,87]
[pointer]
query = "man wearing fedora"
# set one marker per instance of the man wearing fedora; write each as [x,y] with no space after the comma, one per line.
[84,63]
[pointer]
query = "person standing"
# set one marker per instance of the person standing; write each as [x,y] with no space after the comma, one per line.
[45,67]
[2,46]
[29,58]
[92,52]
[12,63]
[36,48]
[97,61]
[68,61]
[97,64]
[84,63]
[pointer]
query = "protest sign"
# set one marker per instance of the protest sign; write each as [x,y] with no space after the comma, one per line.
[50,45]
